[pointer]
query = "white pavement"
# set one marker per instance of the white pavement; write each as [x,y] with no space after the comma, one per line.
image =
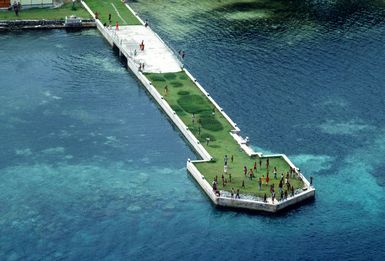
[157,57]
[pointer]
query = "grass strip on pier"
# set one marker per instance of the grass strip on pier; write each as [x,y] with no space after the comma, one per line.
[186,99]
[106,7]
[46,13]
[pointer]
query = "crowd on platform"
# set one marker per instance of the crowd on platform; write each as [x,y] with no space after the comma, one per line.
[285,187]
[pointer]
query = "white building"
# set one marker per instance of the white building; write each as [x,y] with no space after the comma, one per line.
[27,3]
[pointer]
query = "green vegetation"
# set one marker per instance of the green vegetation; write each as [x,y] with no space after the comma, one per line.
[105,7]
[46,13]
[193,103]
[185,98]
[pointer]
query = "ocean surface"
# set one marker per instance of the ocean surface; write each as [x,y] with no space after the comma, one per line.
[91,169]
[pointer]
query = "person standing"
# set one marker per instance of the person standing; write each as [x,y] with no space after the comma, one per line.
[117,25]
[109,18]
[16,8]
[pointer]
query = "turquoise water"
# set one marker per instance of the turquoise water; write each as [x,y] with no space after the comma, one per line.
[91,169]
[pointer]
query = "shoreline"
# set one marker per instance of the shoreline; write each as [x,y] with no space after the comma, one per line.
[33,24]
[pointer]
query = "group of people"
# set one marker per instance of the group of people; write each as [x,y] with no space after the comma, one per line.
[141,66]
[224,179]
[283,192]
[285,188]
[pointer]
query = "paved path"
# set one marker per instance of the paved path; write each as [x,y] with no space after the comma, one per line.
[157,57]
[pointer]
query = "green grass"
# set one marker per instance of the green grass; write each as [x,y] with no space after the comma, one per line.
[46,13]
[185,98]
[104,7]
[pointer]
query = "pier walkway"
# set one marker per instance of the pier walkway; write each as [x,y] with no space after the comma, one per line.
[157,57]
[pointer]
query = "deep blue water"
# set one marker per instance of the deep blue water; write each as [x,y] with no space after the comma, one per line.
[91,169]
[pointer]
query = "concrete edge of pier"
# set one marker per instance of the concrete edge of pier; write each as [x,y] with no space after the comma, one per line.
[271,207]
[39,24]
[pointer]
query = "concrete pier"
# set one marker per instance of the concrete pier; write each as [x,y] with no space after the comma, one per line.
[157,57]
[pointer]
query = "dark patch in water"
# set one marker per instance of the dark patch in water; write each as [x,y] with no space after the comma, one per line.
[379,174]
[285,15]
